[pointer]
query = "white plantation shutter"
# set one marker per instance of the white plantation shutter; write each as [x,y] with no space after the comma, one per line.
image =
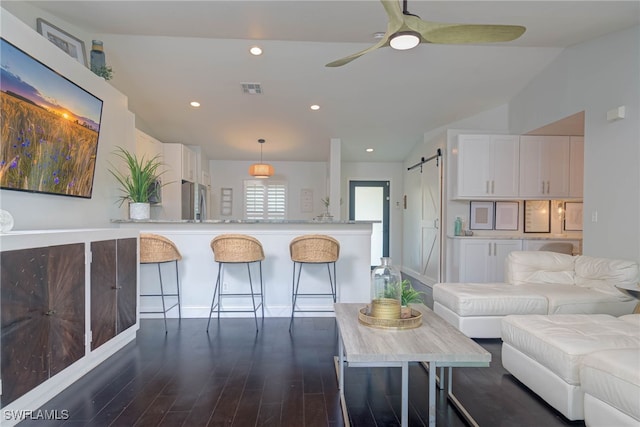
[265,199]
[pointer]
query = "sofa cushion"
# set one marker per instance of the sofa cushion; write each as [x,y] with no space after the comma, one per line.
[604,274]
[571,299]
[559,342]
[613,376]
[488,299]
[539,267]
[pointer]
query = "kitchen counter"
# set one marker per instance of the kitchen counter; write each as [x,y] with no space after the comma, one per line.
[198,269]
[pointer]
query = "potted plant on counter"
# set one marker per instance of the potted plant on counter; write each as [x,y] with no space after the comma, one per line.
[138,183]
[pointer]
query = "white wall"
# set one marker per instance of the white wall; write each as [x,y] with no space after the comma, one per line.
[376,171]
[299,175]
[597,76]
[38,211]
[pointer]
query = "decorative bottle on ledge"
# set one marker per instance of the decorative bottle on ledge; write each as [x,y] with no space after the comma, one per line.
[386,290]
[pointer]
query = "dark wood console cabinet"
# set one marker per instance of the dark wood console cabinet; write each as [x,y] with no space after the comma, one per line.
[68,301]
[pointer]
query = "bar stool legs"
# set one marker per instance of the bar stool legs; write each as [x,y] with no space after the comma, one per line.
[313,249]
[237,249]
[217,292]
[296,289]
[156,249]
[162,295]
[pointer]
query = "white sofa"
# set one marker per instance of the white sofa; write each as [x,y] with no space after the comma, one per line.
[538,282]
[585,366]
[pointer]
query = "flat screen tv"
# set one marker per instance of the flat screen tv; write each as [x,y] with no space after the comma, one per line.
[49,128]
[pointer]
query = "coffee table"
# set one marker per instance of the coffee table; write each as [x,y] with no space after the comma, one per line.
[435,343]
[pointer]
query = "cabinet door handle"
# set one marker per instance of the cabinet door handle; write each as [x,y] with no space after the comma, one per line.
[487,187]
[548,187]
[493,186]
[489,249]
[542,187]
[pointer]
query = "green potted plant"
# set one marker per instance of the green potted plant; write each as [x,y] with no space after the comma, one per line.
[138,183]
[409,295]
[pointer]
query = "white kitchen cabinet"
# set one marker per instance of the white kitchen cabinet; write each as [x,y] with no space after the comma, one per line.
[182,160]
[147,146]
[576,166]
[487,166]
[544,166]
[482,260]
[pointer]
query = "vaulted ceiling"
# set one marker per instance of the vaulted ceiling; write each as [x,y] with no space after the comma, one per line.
[167,53]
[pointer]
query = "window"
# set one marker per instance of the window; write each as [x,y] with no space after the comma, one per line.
[265,199]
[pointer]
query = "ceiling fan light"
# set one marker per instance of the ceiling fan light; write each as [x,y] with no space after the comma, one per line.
[404,40]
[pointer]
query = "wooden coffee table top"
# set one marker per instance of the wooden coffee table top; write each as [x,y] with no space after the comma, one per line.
[434,341]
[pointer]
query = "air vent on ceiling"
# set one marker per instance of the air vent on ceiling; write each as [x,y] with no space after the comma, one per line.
[252,88]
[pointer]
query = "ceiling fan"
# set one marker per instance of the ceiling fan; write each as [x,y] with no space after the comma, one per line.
[406,30]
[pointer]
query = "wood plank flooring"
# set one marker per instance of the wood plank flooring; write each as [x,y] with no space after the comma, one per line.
[235,377]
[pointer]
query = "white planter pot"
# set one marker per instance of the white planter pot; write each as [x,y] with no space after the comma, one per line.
[139,210]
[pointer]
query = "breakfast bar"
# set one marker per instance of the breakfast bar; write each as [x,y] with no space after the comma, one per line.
[198,270]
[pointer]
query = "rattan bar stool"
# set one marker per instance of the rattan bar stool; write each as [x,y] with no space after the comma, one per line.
[237,249]
[312,249]
[156,249]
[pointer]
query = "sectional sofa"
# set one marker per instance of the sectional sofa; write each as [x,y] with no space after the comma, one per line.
[541,283]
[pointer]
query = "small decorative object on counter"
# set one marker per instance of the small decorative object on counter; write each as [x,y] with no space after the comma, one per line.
[458,227]
[98,61]
[6,221]
[386,290]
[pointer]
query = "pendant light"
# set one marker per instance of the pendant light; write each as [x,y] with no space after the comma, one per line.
[261,170]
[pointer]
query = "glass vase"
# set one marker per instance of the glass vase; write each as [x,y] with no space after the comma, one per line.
[386,290]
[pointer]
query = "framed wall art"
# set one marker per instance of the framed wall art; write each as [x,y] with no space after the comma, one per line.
[73,46]
[573,216]
[481,216]
[506,215]
[537,216]
[49,131]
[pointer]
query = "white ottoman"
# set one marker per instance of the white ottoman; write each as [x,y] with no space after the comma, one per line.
[545,352]
[477,309]
[610,380]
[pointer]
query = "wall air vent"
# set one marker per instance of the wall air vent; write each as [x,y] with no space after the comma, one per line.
[252,88]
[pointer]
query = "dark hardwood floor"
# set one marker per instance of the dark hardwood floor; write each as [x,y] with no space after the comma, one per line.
[235,377]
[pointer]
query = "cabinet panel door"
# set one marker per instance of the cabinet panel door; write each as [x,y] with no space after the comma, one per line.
[475,165]
[576,167]
[555,165]
[127,252]
[103,292]
[531,176]
[66,280]
[506,165]
[475,261]
[42,312]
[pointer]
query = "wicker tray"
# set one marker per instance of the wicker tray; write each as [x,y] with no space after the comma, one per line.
[412,322]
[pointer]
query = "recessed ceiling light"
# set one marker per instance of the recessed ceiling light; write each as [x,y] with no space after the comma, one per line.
[315,107]
[194,104]
[369,150]
[256,51]
[378,35]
